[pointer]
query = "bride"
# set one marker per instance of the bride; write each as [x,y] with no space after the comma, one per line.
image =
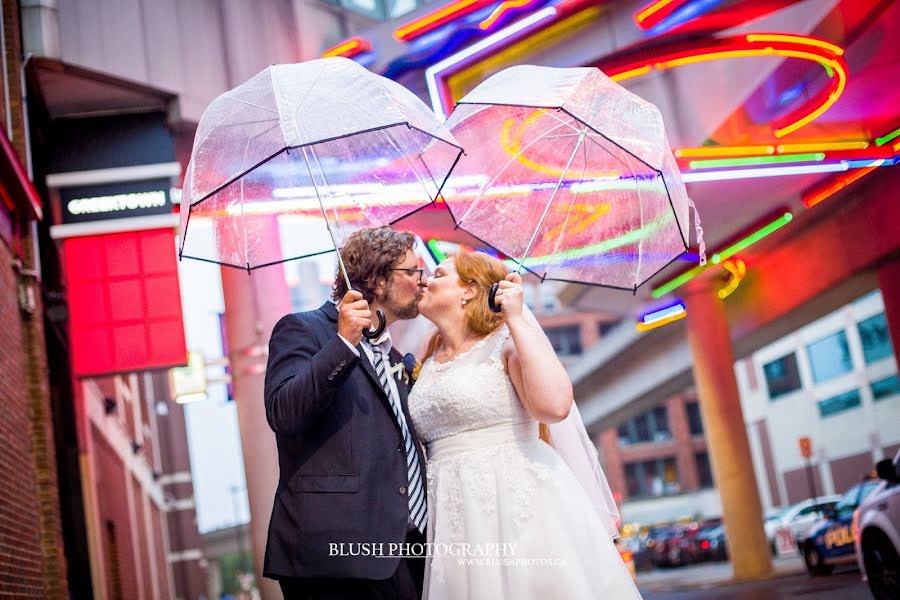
[518,507]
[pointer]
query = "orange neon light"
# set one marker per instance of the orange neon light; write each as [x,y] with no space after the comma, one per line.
[818,196]
[437,18]
[704,151]
[500,11]
[650,10]
[350,48]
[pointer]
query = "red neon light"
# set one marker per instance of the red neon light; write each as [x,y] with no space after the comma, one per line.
[817,195]
[760,44]
[656,12]
[437,18]
[349,49]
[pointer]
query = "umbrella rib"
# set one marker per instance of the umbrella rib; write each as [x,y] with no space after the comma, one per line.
[514,158]
[552,197]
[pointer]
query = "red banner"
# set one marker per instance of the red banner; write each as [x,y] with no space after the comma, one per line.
[124,302]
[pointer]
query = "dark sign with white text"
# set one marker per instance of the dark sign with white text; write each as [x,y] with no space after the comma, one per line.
[115,200]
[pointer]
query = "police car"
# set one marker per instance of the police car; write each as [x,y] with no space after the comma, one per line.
[877,533]
[830,542]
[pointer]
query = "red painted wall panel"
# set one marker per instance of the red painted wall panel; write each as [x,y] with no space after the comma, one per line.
[124,302]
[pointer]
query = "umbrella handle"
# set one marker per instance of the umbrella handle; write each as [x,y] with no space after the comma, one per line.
[492,295]
[372,334]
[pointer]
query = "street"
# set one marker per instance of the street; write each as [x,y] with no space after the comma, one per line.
[791,581]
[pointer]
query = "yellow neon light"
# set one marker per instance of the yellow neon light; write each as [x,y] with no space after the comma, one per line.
[835,66]
[794,39]
[652,9]
[511,135]
[661,322]
[738,270]
[498,12]
[632,73]
[822,147]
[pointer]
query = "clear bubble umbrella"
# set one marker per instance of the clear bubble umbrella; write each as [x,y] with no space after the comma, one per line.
[570,174]
[322,139]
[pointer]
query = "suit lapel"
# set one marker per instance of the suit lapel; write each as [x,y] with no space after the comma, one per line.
[330,311]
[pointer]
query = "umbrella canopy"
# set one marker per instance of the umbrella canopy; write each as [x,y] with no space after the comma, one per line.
[571,172]
[324,138]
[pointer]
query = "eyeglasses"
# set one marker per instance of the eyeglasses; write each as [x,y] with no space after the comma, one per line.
[418,270]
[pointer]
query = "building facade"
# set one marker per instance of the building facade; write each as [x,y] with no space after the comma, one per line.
[32,562]
[834,382]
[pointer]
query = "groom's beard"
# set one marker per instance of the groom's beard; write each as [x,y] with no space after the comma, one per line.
[410,310]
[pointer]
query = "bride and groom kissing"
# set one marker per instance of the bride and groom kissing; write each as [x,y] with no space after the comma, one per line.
[470,477]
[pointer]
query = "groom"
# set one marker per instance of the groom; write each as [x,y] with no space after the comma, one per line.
[351,471]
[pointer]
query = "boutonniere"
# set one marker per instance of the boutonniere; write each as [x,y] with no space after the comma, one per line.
[412,368]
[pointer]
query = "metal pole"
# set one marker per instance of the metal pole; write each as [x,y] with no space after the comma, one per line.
[811,479]
[327,222]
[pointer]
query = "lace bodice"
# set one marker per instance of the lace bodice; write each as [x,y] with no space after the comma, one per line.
[472,391]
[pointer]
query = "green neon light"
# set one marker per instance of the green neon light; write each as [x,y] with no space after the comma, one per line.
[435,249]
[601,247]
[885,139]
[756,160]
[829,70]
[725,254]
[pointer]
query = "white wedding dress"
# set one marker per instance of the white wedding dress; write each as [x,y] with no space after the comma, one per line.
[492,481]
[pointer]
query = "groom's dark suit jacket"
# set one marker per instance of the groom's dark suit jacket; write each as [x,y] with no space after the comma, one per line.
[340,452]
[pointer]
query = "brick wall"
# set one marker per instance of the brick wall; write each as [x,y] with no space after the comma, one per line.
[32,562]
[20,555]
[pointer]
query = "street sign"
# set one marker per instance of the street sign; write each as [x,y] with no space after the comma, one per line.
[805,447]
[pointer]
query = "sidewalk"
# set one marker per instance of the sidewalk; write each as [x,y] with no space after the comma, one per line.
[707,576]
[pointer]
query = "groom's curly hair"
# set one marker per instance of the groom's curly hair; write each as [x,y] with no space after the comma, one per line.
[369,255]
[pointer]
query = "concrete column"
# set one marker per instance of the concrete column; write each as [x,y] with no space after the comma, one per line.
[726,434]
[253,304]
[688,477]
[889,282]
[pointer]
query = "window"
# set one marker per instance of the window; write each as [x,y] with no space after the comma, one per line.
[661,424]
[651,426]
[885,387]
[704,471]
[876,339]
[604,327]
[565,340]
[782,376]
[695,421]
[652,478]
[830,357]
[378,9]
[839,403]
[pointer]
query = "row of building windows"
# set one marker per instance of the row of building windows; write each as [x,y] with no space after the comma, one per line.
[659,477]
[829,358]
[653,425]
[378,9]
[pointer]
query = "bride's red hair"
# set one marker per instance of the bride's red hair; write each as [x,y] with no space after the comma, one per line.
[483,271]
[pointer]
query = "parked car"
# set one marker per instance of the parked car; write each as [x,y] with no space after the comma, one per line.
[876,528]
[674,546]
[641,555]
[712,543]
[771,522]
[794,523]
[830,542]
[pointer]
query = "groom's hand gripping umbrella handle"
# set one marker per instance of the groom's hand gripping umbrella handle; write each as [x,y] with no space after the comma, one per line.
[492,298]
[372,334]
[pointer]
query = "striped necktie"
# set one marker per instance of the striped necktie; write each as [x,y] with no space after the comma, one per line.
[415,491]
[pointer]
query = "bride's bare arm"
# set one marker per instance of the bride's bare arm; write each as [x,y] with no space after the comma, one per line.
[536,373]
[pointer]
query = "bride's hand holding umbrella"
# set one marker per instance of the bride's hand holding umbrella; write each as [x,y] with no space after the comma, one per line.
[509,296]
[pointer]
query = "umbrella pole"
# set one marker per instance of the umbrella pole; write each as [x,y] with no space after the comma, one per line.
[495,287]
[382,322]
